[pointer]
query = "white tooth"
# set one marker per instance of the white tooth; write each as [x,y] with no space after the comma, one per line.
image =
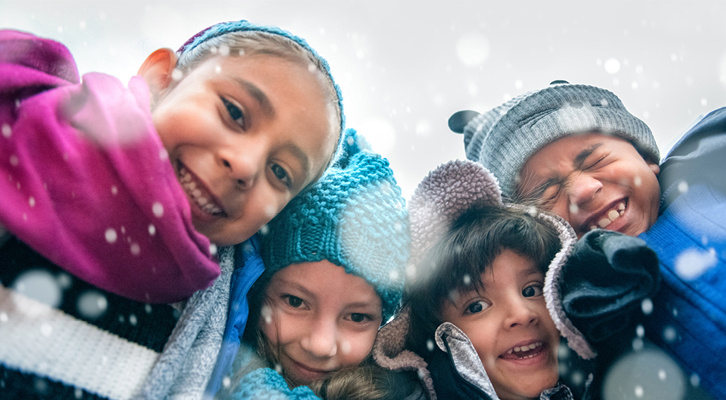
[196,192]
[517,349]
[510,351]
[621,206]
[532,346]
[603,222]
[192,185]
[612,214]
[202,201]
[593,227]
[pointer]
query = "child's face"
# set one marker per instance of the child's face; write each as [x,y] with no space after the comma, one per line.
[594,180]
[245,135]
[320,319]
[509,326]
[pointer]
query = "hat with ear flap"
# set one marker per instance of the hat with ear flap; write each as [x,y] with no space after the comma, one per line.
[353,217]
[505,137]
[455,187]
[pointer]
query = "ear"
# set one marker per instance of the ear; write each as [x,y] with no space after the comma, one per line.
[157,70]
[654,167]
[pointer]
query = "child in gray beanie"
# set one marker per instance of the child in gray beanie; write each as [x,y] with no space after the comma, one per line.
[334,271]
[576,151]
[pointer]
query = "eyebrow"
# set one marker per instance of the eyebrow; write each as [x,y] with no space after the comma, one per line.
[299,287]
[582,156]
[257,94]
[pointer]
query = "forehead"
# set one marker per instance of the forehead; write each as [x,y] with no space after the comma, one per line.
[324,279]
[562,152]
[296,95]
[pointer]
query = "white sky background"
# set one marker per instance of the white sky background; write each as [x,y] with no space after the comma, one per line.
[405,66]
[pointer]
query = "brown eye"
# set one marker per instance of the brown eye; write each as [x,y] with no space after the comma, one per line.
[532,291]
[294,301]
[476,307]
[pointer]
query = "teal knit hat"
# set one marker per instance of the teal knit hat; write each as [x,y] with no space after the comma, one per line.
[505,137]
[353,217]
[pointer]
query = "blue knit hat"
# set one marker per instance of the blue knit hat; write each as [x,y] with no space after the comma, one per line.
[504,138]
[353,217]
[223,28]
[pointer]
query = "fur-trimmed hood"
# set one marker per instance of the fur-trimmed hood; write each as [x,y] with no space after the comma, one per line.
[439,200]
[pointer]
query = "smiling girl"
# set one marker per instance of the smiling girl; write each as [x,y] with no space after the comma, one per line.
[135,193]
[334,262]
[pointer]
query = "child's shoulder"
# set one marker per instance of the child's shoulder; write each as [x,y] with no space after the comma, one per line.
[32,53]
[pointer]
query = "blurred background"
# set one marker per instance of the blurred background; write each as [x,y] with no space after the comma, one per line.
[406,66]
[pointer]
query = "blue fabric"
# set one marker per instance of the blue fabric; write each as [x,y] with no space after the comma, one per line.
[265,383]
[690,240]
[248,268]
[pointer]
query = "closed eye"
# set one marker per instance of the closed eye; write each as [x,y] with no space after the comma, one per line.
[595,163]
[235,112]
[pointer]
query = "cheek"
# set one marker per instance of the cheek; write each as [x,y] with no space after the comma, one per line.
[358,348]
[271,326]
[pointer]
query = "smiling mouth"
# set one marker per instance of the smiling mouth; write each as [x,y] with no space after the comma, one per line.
[524,352]
[607,218]
[310,373]
[198,193]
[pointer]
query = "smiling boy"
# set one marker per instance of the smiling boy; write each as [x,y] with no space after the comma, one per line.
[576,151]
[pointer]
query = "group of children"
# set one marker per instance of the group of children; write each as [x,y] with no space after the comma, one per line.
[241,243]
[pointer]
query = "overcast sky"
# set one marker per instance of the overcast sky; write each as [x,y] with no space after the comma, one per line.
[406,66]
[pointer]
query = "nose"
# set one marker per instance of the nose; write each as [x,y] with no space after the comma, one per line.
[244,162]
[520,313]
[321,340]
[582,188]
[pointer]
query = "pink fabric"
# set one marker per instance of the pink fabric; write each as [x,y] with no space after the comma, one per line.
[85,180]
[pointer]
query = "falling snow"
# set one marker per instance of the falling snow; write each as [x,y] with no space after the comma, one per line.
[7,130]
[158,209]
[693,263]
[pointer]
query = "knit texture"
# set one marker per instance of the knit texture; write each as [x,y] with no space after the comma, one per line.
[441,197]
[505,137]
[265,383]
[186,364]
[223,28]
[354,217]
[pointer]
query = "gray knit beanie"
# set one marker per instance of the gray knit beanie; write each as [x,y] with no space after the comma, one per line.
[354,217]
[504,138]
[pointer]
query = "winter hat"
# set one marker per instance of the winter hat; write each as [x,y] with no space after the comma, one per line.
[354,217]
[455,187]
[223,28]
[504,138]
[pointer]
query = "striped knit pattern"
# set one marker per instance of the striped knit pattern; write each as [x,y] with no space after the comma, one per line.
[59,351]
[353,217]
[504,138]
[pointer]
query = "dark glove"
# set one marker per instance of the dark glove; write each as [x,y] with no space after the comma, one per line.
[604,283]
